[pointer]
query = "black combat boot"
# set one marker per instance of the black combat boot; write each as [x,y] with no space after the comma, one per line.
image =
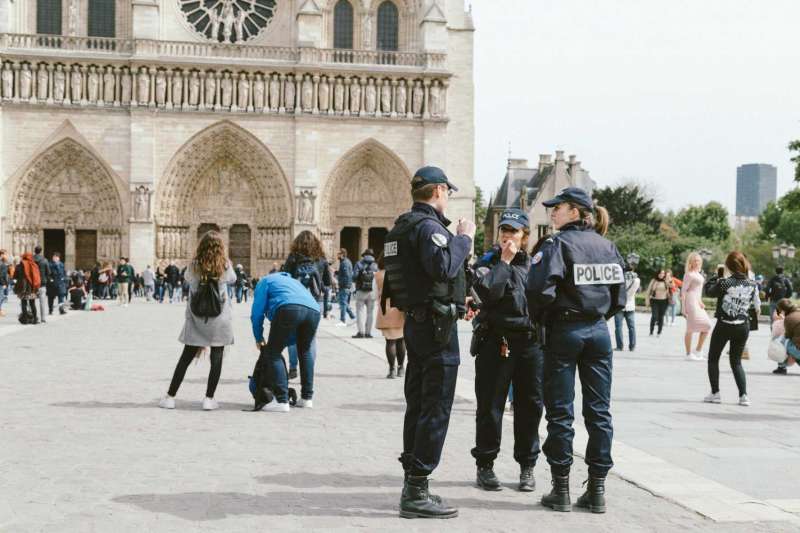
[558,499]
[416,502]
[527,483]
[594,498]
[486,478]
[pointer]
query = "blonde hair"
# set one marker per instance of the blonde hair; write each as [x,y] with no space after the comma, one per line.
[691,258]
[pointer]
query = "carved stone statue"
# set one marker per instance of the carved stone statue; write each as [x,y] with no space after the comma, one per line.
[258,93]
[125,82]
[240,18]
[355,96]
[308,94]
[226,85]
[274,93]
[419,97]
[42,80]
[305,206]
[211,89]
[177,88]
[72,22]
[93,84]
[338,96]
[436,100]
[228,18]
[288,99]
[324,94]
[76,84]
[161,88]
[109,85]
[401,98]
[194,89]
[371,98]
[244,90]
[59,83]
[143,89]
[141,203]
[215,21]
[367,31]
[386,97]
[8,82]
[25,82]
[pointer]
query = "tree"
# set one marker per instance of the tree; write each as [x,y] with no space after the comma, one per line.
[794,146]
[786,208]
[628,205]
[480,216]
[709,221]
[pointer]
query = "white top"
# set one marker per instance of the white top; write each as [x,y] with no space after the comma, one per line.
[632,284]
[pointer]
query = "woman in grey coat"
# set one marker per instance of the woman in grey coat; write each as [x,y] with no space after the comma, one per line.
[210,261]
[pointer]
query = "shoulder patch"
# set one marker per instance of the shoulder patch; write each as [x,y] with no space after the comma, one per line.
[537,258]
[439,240]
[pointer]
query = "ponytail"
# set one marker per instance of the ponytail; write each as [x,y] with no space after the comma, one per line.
[597,218]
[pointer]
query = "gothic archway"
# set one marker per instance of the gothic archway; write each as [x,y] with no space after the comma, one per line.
[68,189]
[226,177]
[368,189]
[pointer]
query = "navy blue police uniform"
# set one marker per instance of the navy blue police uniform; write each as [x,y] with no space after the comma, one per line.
[507,352]
[576,283]
[425,278]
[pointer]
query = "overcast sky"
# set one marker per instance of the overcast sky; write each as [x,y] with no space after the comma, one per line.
[676,93]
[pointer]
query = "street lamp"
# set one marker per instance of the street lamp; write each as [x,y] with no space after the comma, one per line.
[783,251]
[633,260]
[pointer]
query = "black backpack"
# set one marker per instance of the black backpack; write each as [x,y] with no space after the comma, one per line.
[364,280]
[206,302]
[308,274]
[777,288]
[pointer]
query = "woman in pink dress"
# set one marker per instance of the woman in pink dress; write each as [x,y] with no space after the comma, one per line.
[697,320]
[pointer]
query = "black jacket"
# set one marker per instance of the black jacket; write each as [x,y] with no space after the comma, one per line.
[501,288]
[4,281]
[736,296]
[44,267]
[779,287]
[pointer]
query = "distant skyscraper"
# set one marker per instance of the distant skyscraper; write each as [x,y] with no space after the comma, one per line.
[756,186]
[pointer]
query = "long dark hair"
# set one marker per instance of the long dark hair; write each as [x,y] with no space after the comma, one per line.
[307,244]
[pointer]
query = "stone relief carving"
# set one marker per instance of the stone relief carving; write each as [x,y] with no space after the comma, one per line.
[8,81]
[72,21]
[274,93]
[308,94]
[244,91]
[109,86]
[338,96]
[177,88]
[141,203]
[161,88]
[419,97]
[194,89]
[436,104]
[25,82]
[76,84]
[401,98]
[355,96]
[211,89]
[305,206]
[324,95]
[226,85]
[370,103]
[59,83]
[42,79]
[143,89]
[258,93]
[288,92]
[93,85]
[386,97]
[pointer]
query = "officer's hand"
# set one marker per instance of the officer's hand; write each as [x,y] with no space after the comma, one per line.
[509,251]
[466,227]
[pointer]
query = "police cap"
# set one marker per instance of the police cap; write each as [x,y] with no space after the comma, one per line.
[516,218]
[429,176]
[574,195]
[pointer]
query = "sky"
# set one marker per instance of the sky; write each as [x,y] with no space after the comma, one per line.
[675,94]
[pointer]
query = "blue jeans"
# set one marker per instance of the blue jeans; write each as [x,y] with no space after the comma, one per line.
[343,297]
[3,296]
[239,289]
[630,319]
[229,288]
[585,346]
[289,321]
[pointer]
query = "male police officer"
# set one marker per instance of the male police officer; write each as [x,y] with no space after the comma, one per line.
[425,278]
[576,283]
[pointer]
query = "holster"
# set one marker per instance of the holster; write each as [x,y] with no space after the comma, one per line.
[443,316]
[479,334]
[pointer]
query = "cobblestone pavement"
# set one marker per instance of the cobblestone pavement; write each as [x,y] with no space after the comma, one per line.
[85,448]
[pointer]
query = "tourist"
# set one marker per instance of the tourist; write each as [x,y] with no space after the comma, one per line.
[736,296]
[657,299]
[697,320]
[674,297]
[786,312]
[241,282]
[628,314]
[210,265]
[149,282]
[366,296]
[44,275]
[4,280]
[56,283]
[28,280]
[390,323]
[779,287]
[124,278]
[344,281]
[77,294]
[172,278]
[161,284]
[294,314]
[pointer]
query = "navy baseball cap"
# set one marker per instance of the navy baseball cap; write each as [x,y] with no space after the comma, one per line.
[574,195]
[516,218]
[431,175]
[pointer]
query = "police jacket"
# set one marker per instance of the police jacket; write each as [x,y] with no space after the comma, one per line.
[501,288]
[578,272]
[424,261]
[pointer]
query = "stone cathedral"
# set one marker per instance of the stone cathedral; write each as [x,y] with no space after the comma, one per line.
[131,127]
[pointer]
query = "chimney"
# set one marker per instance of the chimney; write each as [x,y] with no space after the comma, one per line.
[572,160]
[544,160]
[559,155]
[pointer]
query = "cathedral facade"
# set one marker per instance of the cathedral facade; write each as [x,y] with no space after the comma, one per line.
[131,127]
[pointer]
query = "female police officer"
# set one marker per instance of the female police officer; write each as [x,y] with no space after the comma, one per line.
[575,284]
[506,352]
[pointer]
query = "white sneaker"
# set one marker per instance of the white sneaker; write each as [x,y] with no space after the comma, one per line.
[276,407]
[341,324]
[209,404]
[167,402]
[713,398]
[693,357]
[744,400]
[308,404]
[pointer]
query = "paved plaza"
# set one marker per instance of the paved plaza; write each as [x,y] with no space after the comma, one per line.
[85,448]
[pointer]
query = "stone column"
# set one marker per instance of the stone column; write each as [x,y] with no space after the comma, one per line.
[69,248]
[426,111]
[315,95]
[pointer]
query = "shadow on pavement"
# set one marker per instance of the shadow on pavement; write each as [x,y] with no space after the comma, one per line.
[652,400]
[179,405]
[391,408]
[205,506]
[790,374]
[309,480]
[741,417]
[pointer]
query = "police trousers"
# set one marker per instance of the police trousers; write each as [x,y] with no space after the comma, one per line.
[430,386]
[584,345]
[493,375]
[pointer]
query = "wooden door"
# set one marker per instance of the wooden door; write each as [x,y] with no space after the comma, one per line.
[239,246]
[85,249]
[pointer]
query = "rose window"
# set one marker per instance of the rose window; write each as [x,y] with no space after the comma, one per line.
[228,21]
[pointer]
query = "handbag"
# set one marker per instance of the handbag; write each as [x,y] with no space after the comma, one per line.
[753,315]
[777,350]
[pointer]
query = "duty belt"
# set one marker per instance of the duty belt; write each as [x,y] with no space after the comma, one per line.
[573,316]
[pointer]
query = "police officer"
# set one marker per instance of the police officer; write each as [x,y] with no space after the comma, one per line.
[575,284]
[425,278]
[506,352]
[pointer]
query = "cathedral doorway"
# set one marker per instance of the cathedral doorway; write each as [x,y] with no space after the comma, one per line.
[240,246]
[85,249]
[55,240]
[350,240]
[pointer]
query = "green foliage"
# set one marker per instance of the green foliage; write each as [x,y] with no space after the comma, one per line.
[709,221]
[779,221]
[480,215]
[769,219]
[788,229]
[628,205]
[794,146]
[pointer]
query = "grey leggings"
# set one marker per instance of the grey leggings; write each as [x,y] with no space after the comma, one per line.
[189,353]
